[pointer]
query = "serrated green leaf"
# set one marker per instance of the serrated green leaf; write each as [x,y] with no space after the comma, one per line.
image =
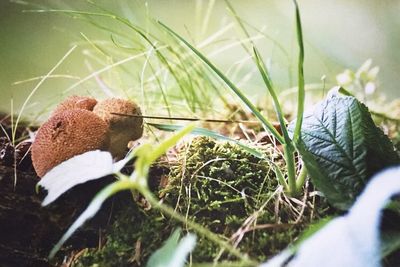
[174,252]
[342,148]
[209,133]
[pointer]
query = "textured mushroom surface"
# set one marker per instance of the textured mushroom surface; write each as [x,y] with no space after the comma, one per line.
[122,128]
[76,102]
[67,134]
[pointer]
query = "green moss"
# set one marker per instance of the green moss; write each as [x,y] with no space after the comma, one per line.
[219,186]
[133,226]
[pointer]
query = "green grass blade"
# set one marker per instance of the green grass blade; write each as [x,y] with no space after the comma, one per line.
[161,87]
[301,94]
[268,82]
[281,178]
[174,251]
[170,142]
[241,23]
[15,126]
[233,87]
[140,32]
[209,133]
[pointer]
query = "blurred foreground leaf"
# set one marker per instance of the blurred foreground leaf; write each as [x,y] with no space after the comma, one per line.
[77,170]
[352,240]
[174,252]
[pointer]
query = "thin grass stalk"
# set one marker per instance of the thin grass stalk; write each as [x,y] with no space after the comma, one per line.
[138,30]
[15,126]
[268,82]
[301,94]
[241,23]
[163,93]
[291,187]
[233,87]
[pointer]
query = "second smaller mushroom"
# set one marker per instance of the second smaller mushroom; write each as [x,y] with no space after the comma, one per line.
[122,128]
[76,102]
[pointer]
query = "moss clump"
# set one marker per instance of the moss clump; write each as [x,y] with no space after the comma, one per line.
[223,188]
[219,185]
[131,239]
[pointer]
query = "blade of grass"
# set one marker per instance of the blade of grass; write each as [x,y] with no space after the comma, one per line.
[161,86]
[268,82]
[240,21]
[95,46]
[233,87]
[15,126]
[108,67]
[138,30]
[66,76]
[281,178]
[206,17]
[170,142]
[301,94]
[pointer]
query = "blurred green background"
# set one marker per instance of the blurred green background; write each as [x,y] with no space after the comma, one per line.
[340,34]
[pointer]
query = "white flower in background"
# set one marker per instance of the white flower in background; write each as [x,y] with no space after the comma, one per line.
[345,78]
[370,88]
[351,240]
[361,83]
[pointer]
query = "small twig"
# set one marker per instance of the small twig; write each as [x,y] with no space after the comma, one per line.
[184,118]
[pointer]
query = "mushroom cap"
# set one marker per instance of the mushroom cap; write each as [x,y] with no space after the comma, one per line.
[76,102]
[122,128]
[65,135]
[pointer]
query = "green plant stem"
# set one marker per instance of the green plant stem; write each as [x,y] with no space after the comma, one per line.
[268,82]
[281,179]
[301,178]
[196,227]
[301,94]
[291,168]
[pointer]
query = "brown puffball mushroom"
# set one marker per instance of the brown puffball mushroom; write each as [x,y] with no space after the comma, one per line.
[122,128]
[74,102]
[65,135]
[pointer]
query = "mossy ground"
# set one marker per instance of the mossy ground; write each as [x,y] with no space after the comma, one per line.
[223,188]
